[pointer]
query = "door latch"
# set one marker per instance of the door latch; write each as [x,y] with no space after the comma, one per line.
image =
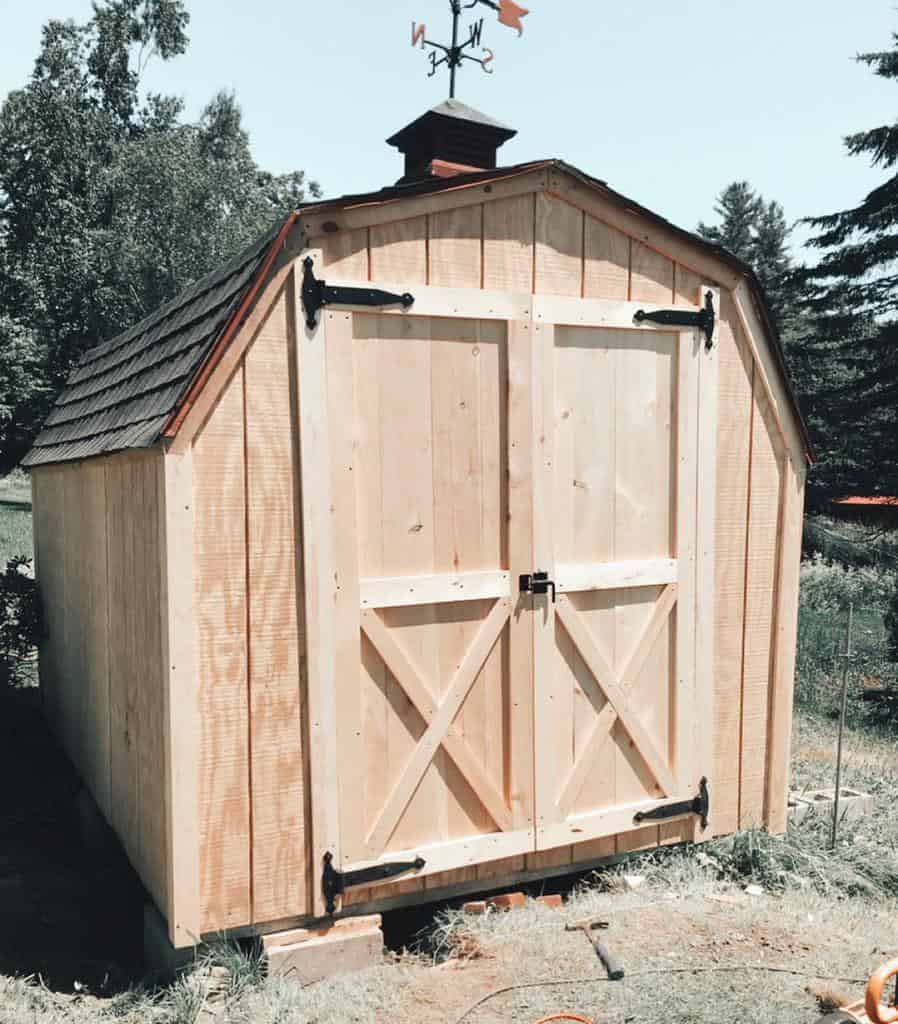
[537,583]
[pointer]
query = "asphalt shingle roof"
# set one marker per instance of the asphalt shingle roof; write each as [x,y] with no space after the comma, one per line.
[123,392]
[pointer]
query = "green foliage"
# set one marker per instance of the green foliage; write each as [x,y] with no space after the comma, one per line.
[756,231]
[109,203]
[826,591]
[852,334]
[20,619]
[891,623]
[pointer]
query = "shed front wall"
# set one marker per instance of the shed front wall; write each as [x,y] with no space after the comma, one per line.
[98,554]
[249,637]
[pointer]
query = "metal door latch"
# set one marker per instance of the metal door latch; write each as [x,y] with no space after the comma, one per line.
[699,805]
[705,319]
[316,294]
[537,583]
[334,883]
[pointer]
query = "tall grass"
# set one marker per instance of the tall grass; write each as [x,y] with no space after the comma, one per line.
[827,590]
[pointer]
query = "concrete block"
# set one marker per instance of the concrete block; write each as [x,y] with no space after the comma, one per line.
[340,947]
[852,804]
[160,957]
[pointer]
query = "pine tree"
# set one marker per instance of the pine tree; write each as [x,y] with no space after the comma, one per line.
[852,297]
[756,231]
[739,209]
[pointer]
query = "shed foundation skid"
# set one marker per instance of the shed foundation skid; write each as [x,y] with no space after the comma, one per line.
[432,560]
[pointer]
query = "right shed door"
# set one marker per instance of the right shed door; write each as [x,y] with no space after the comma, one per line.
[622,716]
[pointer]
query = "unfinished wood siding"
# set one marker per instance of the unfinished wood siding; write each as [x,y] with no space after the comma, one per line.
[97,543]
[249,645]
[548,244]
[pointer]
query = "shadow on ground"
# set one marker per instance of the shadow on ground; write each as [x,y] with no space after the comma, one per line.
[68,915]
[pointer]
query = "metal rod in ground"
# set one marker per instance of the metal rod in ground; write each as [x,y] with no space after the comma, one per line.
[845,670]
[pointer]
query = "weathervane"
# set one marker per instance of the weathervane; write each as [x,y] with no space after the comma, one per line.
[510,14]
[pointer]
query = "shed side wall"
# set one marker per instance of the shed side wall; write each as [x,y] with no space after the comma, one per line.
[97,543]
[249,642]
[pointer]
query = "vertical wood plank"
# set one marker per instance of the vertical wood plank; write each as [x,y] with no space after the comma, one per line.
[318,561]
[399,252]
[521,455]
[651,275]
[277,744]
[220,610]
[733,444]
[344,254]
[181,700]
[347,628]
[707,593]
[508,226]
[559,247]
[760,596]
[783,682]
[454,240]
[606,272]
[544,646]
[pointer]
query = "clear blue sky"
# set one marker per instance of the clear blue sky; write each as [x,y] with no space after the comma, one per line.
[665,101]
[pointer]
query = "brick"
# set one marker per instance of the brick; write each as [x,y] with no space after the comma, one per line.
[508,901]
[310,954]
[474,907]
[553,902]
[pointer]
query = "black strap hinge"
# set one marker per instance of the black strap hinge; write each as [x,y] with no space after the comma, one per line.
[334,883]
[316,294]
[699,805]
[705,319]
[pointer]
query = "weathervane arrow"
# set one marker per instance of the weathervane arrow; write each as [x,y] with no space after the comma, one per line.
[510,14]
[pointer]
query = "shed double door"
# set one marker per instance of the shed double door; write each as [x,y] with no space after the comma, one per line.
[447,452]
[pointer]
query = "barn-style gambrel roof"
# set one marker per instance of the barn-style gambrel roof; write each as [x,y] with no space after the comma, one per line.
[127,393]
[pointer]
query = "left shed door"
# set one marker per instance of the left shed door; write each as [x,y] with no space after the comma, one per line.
[431,705]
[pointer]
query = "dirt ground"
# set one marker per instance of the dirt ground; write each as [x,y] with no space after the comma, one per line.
[695,945]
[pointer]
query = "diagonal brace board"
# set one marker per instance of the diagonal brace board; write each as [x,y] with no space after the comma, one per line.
[439,718]
[615,692]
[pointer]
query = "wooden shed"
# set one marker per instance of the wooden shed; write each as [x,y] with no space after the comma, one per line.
[448,536]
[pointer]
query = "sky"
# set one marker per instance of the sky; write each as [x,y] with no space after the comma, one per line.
[667,102]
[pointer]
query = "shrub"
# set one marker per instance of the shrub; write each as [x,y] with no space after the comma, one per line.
[20,620]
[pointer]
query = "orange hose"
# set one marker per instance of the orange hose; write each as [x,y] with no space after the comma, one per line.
[564,1016]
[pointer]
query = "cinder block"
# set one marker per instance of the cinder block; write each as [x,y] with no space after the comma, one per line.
[852,804]
[310,954]
[160,957]
[508,901]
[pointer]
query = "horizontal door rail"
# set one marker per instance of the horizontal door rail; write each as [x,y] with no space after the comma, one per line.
[404,591]
[574,312]
[654,572]
[465,303]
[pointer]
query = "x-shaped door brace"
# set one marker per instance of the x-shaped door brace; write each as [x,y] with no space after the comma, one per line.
[615,690]
[439,718]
